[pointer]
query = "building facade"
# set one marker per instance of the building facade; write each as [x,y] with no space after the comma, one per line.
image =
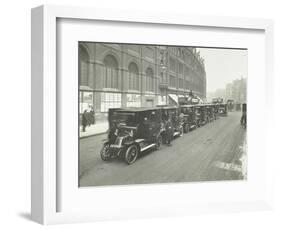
[235,90]
[123,75]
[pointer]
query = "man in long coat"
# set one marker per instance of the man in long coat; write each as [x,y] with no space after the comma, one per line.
[84,120]
[169,131]
[243,120]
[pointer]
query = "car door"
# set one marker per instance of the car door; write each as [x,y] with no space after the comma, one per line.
[154,124]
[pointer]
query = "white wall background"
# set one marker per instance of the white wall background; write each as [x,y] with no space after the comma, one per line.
[15,113]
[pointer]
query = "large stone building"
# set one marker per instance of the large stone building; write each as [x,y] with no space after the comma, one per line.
[121,75]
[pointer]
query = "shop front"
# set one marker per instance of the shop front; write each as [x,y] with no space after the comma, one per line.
[133,100]
[149,101]
[86,99]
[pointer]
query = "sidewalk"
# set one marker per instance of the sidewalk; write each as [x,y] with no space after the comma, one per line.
[95,129]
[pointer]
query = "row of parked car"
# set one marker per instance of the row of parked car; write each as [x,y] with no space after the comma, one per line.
[135,130]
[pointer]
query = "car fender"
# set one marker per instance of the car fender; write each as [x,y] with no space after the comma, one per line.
[105,141]
[128,143]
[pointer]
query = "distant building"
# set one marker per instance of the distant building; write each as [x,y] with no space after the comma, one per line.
[236,90]
[119,75]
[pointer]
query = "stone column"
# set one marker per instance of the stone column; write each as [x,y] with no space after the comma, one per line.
[99,77]
[91,74]
[124,88]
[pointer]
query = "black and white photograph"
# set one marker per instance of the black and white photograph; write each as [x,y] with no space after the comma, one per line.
[151,114]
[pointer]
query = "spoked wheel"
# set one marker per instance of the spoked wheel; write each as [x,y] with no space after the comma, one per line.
[131,154]
[158,142]
[181,131]
[104,153]
[186,128]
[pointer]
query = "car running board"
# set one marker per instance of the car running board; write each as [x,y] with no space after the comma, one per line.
[147,147]
[139,140]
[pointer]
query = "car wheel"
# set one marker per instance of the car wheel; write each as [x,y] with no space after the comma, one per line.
[104,153]
[186,128]
[131,154]
[158,142]
[181,131]
[163,137]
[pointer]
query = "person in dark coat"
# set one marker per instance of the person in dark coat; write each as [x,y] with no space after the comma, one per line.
[169,130]
[92,113]
[244,115]
[84,120]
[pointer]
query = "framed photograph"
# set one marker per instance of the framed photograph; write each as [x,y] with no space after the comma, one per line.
[141,114]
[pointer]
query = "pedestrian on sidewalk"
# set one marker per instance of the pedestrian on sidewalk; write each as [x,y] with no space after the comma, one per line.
[84,120]
[92,113]
[243,120]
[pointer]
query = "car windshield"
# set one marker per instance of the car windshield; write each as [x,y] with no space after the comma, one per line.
[128,118]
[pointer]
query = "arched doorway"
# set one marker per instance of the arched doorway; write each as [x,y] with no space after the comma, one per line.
[111,72]
[133,99]
[149,79]
[110,99]
[133,76]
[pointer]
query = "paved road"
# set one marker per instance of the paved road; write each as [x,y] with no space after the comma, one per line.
[215,151]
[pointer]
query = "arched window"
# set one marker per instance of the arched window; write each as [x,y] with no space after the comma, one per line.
[83,66]
[111,72]
[149,79]
[133,76]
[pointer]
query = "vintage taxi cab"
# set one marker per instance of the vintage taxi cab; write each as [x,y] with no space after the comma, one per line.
[230,105]
[223,109]
[216,111]
[190,120]
[201,113]
[132,131]
[173,113]
[210,112]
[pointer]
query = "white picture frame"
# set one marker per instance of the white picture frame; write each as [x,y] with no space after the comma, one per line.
[45,142]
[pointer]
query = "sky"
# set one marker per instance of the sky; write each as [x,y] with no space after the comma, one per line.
[223,66]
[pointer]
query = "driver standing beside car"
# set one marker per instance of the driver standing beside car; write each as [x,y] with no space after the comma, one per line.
[169,131]
[181,117]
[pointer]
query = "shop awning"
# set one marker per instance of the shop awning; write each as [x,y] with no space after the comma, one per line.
[174,97]
[200,100]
